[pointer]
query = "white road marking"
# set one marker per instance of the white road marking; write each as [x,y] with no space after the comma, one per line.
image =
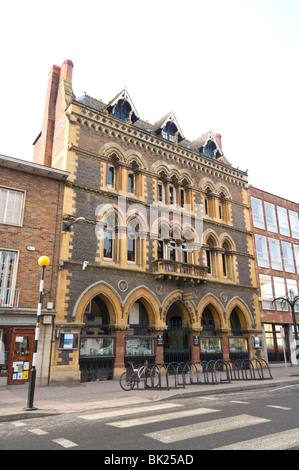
[278,407]
[277,441]
[65,443]
[163,417]
[123,412]
[241,402]
[38,431]
[203,429]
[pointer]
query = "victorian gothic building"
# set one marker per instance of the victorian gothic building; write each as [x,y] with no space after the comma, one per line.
[156,257]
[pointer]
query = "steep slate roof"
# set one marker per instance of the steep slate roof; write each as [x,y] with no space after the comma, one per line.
[145,126]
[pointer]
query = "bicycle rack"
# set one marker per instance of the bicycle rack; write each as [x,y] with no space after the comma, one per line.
[165,376]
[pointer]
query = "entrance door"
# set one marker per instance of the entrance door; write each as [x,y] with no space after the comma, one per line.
[176,342]
[20,356]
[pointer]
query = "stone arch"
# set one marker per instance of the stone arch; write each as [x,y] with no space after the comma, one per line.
[210,234]
[221,188]
[111,149]
[148,299]
[187,308]
[107,294]
[226,238]
[216,308]
[244,313]
[207,184]
[132,156]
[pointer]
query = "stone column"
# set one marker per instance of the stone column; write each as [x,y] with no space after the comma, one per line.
[158,332]
[195,344]
[119,349]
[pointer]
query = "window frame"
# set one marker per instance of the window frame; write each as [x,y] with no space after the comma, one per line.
[257,215]
[294,223]
[262,259]
[288,258]
[13,277]
[111,185]
[270,214]
[22,206]
[283,222]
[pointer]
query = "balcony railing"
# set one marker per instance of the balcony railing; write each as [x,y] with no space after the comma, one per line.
[9,297]
[179,271]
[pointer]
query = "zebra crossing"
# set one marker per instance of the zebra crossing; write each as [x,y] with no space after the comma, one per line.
[206,427]
[167,423]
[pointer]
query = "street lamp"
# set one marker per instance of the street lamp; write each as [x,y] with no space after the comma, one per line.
[43,262]
[291,299]
[66,226]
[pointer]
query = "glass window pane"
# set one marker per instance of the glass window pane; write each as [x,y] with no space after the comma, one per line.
[11,206]
[296,251]
[262,251]
[210,345]
[110,176]
[288,257]
[238,344]
[270,217]
[294,220]
[283,221]
[275,253]
[266,291]
[257,213]
[280,291]
[139,346]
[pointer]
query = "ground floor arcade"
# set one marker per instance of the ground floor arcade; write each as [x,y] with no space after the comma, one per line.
[107,331]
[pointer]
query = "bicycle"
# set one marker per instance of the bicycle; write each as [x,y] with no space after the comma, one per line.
[134,376]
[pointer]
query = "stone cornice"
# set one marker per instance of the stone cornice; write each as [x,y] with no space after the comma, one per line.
[144,140]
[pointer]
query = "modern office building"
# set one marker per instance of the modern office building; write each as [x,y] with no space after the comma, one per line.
[275,223]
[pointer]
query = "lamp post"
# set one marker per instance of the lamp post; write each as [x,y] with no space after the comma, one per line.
[291,299]
[66,226]
[43,262]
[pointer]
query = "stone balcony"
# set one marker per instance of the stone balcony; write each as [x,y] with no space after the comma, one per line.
[183,272]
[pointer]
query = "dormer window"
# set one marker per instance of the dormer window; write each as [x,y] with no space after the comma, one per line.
[122,110]
[169,131]
[209,149]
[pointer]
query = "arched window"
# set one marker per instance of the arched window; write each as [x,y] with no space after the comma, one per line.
[227,261]
[169,131]
[211,257]
[96,318]
[235,324]
[207,323]
[134,241]
[138,320]
[122,110]
[109,236]
[209,149]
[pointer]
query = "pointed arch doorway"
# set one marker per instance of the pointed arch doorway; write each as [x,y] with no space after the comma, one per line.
[176,337]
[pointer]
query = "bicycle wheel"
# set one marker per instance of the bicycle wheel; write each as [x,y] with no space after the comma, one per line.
[126,381]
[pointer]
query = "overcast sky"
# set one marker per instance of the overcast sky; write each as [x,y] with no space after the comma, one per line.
[229,66]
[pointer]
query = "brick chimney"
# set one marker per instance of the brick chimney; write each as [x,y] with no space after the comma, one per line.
[54,108]
[219,140]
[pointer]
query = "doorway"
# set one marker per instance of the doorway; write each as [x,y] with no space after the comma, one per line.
[21,353]
[176,337]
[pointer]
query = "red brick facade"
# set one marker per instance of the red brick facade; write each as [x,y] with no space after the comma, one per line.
[36,233]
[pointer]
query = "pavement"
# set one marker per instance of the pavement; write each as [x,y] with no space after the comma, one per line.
[60,399]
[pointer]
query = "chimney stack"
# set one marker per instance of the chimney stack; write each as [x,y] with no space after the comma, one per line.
[219,140]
